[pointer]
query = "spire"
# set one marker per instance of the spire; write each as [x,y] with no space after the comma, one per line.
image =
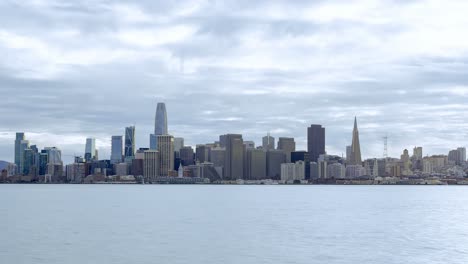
[355,146]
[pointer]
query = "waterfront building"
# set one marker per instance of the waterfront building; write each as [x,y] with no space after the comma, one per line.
[166,154]
[315,141]
[355,158]
[288,145]
[255,164]
[234,157]
[291,172]
[268,142]
[336,171]
[355,171]
[304,156]
[129,150]
[314,170]
[116,149]
[90,149]
[322,166]
[76,172]
[457,156]
[151,165]
[121,169]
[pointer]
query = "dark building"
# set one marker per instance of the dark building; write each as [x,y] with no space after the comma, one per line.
[186,156]
[304,156]
[137,167]
[274,159]
[234,157]
[315,141]
[202,152]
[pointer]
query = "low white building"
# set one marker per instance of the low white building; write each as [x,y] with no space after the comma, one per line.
[355,171]
[336,171]
[293,171]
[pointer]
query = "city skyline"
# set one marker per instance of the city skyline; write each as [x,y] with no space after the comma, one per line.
[96,68]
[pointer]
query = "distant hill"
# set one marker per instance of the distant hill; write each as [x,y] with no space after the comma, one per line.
[3,164]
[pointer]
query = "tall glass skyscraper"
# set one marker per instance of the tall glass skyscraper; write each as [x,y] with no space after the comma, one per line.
[18,152]
[116,151]
[160,126]
[129,143]
[90,150]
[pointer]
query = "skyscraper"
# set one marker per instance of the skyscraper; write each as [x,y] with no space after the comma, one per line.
[355,158]
[268,142]
[24,145]
[315,141]
[151,165]
[19,138]
[234,157]
[90,150]
[129,143]
[117,149]
[178,143]
[287,145]
[166,154]
[255,164]
[160,126]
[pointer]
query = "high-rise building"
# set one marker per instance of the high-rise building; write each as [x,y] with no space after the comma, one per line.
[160,123]
[274,160]
[116,149]
[255,164]
[287,145]
[234,157]
[90,150]
[348,153]
[418,153]
[166,154]
[217,156]
[18,156]
[457,156]
[202,153]
[315,141]
[322,167]
[268,142]
[129,150]
[178,143]
[187,156]
[355,158]
[151,165]
[249,144]
[24,145]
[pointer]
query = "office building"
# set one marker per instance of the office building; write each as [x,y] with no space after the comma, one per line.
[90,150]
[315,141]
[160,123]
[304,156]
[186,156]
[288,145]
[116,149]
[274,160]
[234,157]
[268,142]
[129,149]
[336,171]
[255,164]
[18,152]
[202,153]
[151,165]
[178,143]
[166,154]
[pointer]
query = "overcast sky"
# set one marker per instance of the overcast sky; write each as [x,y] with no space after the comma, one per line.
[76,69]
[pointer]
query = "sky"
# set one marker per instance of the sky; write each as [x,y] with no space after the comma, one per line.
[76,69]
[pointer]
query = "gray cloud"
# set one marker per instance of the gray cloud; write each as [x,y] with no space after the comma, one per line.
[74,70]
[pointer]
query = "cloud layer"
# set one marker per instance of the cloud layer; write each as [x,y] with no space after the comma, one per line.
[75,70]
